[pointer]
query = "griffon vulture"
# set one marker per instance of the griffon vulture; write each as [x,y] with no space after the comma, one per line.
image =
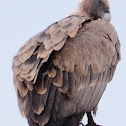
[61,73]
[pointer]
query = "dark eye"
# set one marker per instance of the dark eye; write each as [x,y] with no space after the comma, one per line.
[107,10]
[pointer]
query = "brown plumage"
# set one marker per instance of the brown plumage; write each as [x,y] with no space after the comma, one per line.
[61,73]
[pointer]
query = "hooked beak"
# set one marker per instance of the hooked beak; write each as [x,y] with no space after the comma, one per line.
[107,15]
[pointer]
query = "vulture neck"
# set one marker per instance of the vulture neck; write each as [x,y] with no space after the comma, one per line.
[85,8]
[83,14]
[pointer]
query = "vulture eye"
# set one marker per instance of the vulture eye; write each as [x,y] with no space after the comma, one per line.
[107,10]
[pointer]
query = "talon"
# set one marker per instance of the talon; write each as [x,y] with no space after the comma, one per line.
[82,124]
[91,125]
[90,120]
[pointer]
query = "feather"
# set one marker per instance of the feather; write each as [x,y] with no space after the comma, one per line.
[37,103]
[64,22]
[56,60]
[112,70]
[40,86]
[48,42]
[17,69]
[21,87]
[32,123]
[44,117]
[79,70]
[52,72]
[29,86]
[28,64]
[24,56]
[23,74]
[43,53]
[87,77]
[65,85]
[21,103]
[71,83]
[66,28]
[58,37]
[60,44]
[33,70]
[16,61]
[41,37]
[54,29]
[57,81]
[73,31]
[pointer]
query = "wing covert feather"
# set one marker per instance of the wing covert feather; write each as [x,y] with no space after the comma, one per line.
[29,79]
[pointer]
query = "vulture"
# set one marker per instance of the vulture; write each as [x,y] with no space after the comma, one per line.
[61,73]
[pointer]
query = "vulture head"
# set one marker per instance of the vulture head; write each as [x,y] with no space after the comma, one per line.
[95,9]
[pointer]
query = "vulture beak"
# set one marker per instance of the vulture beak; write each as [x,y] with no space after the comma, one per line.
[107,15]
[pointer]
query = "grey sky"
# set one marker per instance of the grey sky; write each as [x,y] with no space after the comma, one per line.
[19,20]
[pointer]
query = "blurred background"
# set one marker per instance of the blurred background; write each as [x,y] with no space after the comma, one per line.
[19,20]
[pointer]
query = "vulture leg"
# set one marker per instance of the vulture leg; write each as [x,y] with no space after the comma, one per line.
[71,121]
[91,120]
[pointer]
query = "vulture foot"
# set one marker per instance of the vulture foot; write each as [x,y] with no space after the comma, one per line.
[90,120]
[81,124]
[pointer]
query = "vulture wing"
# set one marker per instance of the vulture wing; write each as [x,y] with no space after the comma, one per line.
[64,69]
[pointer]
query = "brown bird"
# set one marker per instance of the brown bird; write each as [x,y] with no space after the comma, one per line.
[61,73]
